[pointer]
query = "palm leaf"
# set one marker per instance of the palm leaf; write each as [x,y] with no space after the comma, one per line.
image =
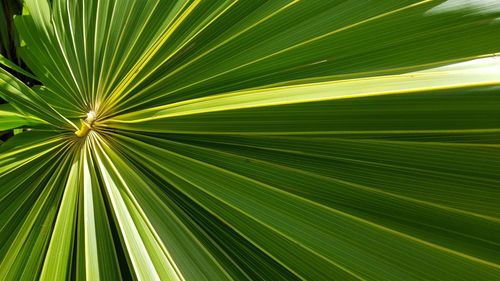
[253,140]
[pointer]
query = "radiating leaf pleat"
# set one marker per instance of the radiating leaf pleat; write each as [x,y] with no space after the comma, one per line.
[261,207]
[252,140]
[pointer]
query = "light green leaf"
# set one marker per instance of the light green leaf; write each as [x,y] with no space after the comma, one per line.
[29,102]
[252,140]
[421,102]
[4,61]
[11,118]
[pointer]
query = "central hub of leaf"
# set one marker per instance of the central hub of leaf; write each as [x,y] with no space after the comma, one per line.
[86,125]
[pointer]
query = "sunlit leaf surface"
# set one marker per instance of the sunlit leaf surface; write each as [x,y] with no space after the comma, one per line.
[253,140]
